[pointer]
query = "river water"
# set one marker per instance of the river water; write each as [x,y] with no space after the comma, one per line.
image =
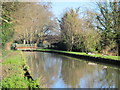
[59,71]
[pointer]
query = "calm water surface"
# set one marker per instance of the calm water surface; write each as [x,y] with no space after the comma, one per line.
[59,71]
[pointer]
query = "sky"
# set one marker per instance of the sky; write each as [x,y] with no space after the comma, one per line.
[59,8]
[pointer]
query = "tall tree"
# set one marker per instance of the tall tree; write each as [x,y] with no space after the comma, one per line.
[109,20]
[70,27]
[90,32]
[79,33]
[7,21]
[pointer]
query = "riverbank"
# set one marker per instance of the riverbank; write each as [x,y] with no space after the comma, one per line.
[90,57]
[15,71]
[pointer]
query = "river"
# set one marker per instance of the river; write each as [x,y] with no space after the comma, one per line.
[60,71]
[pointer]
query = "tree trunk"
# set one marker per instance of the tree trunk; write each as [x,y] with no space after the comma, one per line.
[118,36]
[118,44]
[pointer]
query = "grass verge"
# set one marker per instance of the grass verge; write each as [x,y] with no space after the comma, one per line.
[84,54]
[13,75]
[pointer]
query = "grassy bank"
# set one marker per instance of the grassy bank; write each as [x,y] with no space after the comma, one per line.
[13,74]
[84,54]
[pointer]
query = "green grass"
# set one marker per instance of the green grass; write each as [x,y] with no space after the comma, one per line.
[14,59]
[6,52]
[13,66]
[82,53]
[15,81]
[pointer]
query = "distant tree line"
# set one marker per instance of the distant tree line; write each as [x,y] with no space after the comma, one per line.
[29,23]
[94,32]
[26,22]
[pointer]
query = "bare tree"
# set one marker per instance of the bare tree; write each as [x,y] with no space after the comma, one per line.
[31,21]
[90,32]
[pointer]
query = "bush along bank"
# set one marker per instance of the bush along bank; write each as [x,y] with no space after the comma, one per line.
[114,60]
[15,72]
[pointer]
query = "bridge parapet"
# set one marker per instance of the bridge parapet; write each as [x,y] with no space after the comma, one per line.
[25,46]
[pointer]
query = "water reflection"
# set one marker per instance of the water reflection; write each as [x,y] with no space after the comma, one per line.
[58,71]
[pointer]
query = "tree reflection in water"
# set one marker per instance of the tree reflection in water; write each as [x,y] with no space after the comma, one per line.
[61,71]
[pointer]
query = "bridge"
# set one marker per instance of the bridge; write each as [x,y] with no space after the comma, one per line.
[25,46]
